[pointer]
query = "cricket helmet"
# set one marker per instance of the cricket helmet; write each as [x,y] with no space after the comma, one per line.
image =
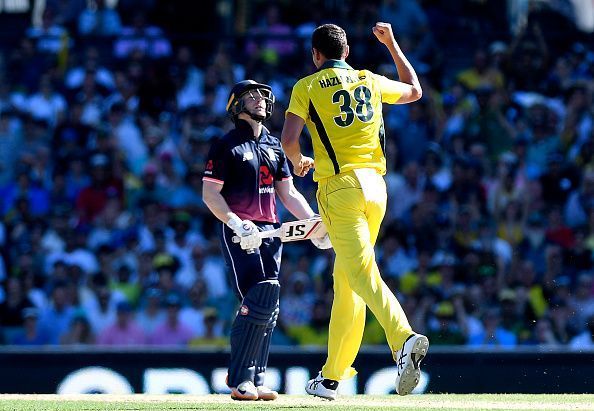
[236,105]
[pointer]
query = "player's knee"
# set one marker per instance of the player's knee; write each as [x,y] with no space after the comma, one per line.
[260,304]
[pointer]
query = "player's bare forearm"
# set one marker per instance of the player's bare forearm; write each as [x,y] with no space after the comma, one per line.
[290,137]
[293,200]
[290,141]
[406,72]
[211,195]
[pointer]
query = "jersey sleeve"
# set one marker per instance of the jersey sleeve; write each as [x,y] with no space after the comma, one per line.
[299,103]
[391,90]
[214,169]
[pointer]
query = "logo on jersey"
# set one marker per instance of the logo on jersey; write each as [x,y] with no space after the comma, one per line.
[248,155]
[266,180]
[244,310]
[208,168]
[272,154]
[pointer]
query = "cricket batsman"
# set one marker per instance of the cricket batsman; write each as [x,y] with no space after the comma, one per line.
[244,172]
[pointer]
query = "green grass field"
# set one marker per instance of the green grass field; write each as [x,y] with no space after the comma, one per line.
[287,402]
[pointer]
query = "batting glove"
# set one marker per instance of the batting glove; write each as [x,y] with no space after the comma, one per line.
[247,232]
[322,243]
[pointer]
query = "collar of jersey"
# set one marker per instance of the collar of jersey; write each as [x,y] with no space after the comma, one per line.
[335,64]
[245,127]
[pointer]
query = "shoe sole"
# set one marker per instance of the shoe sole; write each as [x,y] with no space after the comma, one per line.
[412,373]
[318,395]
[244,399]
[240,397]
[267,397]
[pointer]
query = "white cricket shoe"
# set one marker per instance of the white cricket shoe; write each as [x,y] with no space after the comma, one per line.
[266,394]
[245,391]
[408,359]
[322,387]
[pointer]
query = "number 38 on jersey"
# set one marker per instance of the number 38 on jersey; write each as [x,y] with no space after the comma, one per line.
[360,107]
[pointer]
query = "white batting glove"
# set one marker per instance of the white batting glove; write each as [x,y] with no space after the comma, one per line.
[322,243]
[247,232]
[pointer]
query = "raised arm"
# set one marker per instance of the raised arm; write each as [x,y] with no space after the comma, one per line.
[410,88]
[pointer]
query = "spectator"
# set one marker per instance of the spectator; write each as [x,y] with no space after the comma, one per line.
[297,301]
[55,319]
[99,20]
[494,333]
[172,331]
[481,74]
[92,199]
[14,304]
[192,316]
[124,331]
[47,104]
[10,138]
[584,340]
[80,332]
[31,333]
[212,335]
[580,201]
[444,325]
[102,311]
[151,315]
[149,40]
[49,36]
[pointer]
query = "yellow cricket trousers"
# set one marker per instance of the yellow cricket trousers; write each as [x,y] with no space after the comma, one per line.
[352,206]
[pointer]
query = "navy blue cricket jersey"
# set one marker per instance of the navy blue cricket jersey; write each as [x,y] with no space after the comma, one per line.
[247,168]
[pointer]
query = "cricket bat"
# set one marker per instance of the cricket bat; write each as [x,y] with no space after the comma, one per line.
[295,230]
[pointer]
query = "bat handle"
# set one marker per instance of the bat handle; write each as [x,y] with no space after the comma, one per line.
[236,240]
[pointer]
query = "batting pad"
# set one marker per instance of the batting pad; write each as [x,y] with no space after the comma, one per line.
[262,360]
[254,317]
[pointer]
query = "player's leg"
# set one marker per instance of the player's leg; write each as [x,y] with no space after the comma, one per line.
[248,331]
[347,320]
[351,236]
[409,355]
[259,300]
[265,393]
[271,251]
[347,323]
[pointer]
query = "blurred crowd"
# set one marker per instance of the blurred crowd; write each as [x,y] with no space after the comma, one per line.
[106,119]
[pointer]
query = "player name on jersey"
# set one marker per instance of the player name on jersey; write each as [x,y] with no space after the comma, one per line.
[337,80]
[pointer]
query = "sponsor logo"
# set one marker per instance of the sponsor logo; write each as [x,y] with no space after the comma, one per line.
[266,178]
[266,190]
[244,310]
[248,156]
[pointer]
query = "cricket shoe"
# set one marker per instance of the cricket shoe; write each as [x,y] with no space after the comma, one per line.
[245,391]
[408,359]
[266,394]
[322,387]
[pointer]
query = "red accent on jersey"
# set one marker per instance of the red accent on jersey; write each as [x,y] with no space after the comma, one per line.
[266,178]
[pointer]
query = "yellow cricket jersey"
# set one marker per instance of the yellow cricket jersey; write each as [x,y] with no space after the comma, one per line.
[342,109]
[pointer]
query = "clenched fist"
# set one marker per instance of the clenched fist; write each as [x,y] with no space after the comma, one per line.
[383,32]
